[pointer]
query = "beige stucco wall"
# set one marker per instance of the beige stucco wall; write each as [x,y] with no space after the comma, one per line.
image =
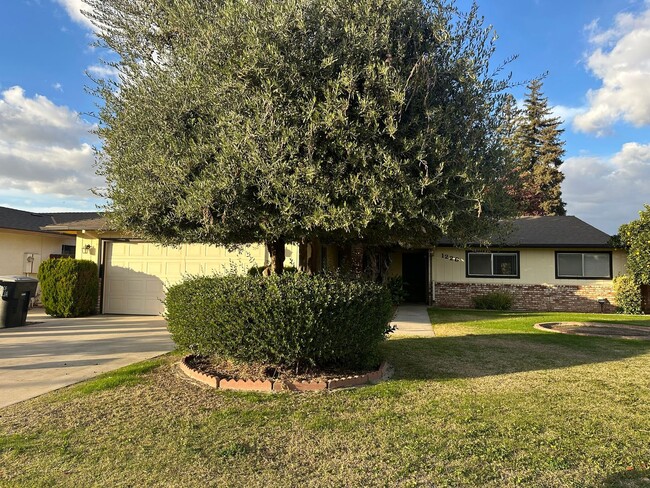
[14,245]
[537,266]
[395,268]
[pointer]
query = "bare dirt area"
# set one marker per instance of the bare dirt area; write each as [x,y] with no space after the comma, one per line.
[618,331]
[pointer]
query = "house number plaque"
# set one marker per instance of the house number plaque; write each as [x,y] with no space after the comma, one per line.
[450,258]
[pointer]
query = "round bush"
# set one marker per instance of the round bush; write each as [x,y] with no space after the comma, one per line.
[293,321]
[493,301]
[69,287]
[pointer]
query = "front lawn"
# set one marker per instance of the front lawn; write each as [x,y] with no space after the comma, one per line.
[489,401]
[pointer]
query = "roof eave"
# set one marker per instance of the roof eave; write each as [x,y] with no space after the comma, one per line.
[534,246]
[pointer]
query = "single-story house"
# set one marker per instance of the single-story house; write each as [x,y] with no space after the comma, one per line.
[24,244]
[545,263]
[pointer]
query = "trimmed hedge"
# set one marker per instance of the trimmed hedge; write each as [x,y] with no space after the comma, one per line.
[628,295]
[292,321]
[493,301]
[69,287]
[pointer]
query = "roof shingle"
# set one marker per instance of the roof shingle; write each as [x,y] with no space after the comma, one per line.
[10,218]
[549,231]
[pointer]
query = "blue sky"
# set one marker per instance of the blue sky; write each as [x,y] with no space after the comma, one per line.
[596,53]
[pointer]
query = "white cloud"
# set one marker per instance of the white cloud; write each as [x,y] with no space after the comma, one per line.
[74,9]
[44,148]
[58,87]
[567,114]
[621,60]
[103,71]
[608,191]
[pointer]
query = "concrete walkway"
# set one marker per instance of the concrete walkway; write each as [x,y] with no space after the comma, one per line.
[45,356]
[412,320]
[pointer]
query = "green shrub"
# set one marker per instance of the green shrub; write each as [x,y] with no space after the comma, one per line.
[292,321]
[69,287]
[628,295]
[395,286]
[493,301]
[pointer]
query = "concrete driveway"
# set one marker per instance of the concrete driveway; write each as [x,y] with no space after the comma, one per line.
[45,356]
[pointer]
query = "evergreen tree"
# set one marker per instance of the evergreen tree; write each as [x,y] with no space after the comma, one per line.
[538,151]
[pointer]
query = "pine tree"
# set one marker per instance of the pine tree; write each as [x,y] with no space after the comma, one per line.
[538,152]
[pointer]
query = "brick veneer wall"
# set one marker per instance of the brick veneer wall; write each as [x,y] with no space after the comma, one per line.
[551,298]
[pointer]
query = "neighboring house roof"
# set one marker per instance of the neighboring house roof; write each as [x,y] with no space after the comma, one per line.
[10,218]
[94,222]
[556,231]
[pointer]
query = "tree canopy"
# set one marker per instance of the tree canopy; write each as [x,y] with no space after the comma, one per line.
[240,121]
[635,237]
[534,137]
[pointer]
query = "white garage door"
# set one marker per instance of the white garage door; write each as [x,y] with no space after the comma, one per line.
[137,273]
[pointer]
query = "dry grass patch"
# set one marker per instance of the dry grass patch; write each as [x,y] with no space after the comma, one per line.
[489,402]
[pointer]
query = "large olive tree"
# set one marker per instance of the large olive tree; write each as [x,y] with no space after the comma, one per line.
[239,121]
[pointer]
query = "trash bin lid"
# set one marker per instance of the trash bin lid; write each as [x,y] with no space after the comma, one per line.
[17,279]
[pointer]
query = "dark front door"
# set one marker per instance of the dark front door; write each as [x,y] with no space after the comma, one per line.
[414,274]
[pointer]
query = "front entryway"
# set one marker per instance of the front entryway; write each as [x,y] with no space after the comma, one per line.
[414,274]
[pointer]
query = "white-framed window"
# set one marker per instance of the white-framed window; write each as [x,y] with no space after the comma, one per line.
[583,265]
[492,264]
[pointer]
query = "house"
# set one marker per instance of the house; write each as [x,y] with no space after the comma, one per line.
[24,244]
[134,273]
[545,263]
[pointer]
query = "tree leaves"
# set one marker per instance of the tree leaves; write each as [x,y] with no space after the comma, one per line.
[373,121]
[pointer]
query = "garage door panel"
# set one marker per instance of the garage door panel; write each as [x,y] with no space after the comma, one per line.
[137,287]
[154,251]
[135,251]
[175,252]
[156,287]
[155,268]
[196,251]
[174,269]
[195,269]
[136,274]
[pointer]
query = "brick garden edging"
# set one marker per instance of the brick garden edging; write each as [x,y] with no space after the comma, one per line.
[282,385]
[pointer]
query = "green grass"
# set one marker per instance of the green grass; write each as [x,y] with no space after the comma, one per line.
[128,375]
[490,401]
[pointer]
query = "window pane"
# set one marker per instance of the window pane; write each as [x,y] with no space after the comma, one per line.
[479,264]
[505,264]
[569,264]
[596,265]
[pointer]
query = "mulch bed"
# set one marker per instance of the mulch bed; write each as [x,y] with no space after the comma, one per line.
[598,329]
[259,372]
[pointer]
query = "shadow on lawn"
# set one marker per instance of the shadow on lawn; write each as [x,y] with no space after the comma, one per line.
[632,478]
[474,356]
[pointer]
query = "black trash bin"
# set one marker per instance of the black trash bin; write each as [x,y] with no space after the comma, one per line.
[14,300]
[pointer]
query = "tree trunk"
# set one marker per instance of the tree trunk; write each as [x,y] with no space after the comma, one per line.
[277,253]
